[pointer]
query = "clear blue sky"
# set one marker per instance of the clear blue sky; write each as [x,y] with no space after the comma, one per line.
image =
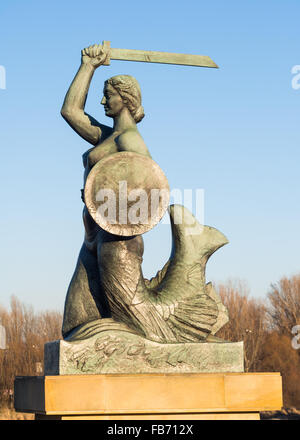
[233,132]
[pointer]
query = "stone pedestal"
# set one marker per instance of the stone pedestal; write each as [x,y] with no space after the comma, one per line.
[197,396]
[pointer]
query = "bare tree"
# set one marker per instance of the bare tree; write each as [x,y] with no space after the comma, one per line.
[26,334]
[284,304]
[247,320]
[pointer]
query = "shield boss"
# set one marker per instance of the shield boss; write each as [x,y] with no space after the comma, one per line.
[126,193]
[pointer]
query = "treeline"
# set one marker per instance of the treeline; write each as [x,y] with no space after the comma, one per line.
[26,334]
[265,326]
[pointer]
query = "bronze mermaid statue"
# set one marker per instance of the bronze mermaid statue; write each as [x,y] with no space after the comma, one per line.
[177,305]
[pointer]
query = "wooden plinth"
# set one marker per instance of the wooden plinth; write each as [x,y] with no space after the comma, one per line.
[149,396]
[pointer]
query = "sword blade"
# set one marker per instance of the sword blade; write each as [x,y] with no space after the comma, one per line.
[150,56]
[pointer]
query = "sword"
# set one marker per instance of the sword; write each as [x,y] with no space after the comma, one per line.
[150,56]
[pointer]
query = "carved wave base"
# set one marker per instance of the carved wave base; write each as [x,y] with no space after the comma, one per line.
[114,350]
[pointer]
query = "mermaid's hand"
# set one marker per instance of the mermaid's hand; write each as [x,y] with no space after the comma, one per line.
[94,55]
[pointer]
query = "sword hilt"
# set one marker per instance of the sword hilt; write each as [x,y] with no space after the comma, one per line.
[106,48]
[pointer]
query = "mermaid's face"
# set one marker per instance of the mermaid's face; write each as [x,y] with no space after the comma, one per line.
[112,101]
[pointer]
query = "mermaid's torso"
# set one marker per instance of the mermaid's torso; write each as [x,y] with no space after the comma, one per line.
[110,144]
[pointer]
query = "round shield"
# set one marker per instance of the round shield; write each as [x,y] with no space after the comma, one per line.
[126,193]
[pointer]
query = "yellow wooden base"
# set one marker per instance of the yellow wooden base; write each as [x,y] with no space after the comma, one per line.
[150,396]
